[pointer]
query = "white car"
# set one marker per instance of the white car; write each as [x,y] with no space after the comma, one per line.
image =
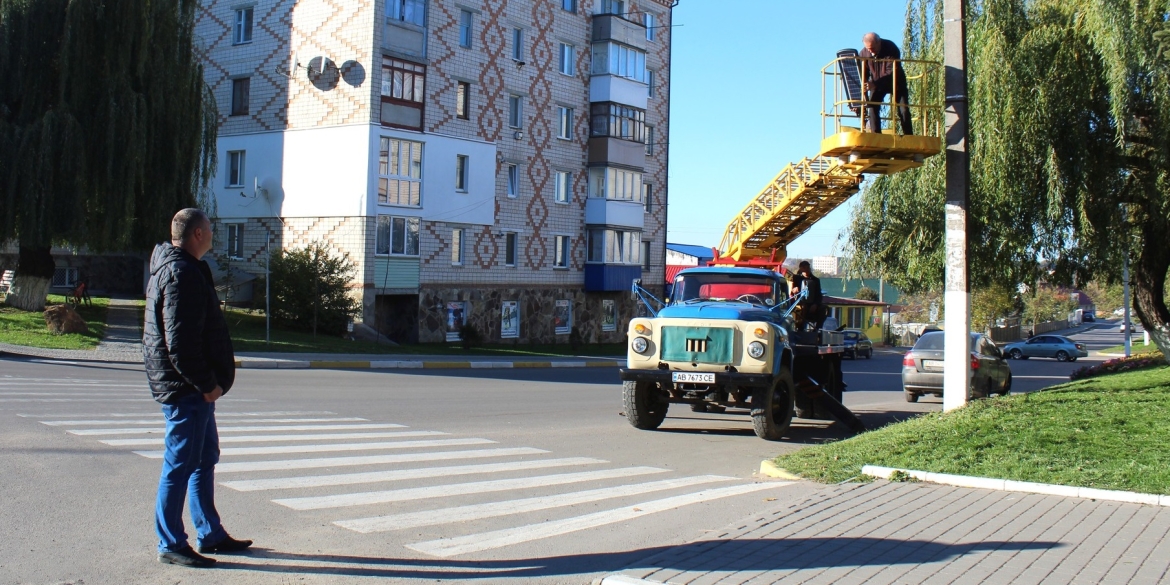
[1134,328]
[1120,312]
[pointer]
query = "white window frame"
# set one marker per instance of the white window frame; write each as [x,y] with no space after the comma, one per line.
[237,166]
[613,58]
[647,195]
[518,44]
[244,25]
[393,225]
[649,140]
[240,105]
[562,245]
[511,247]
[512,180]
[615,184]
[462,169]
[569,6]
[568,59]
[650,83]
[564,123]
[620,247]
[463,88]
[409,11]
[466,29]
[561,187]
[457,237]
[408,172]
[515,111]
[648,19]
[617,7]
[235,240]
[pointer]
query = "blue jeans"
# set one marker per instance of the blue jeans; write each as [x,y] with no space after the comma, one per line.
[192,450]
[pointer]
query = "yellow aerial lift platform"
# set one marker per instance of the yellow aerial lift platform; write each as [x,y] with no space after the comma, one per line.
[806,191]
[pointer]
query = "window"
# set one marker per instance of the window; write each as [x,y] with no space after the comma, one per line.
[457,246]
[403,85]
[617,121]
[412,11]
[518,44]
[617,7]
[650,82]
[616,184]
[568,56]
[461,173]
[648,20]
[561,259]
[235,174]
[565,125]
[400,172]
[614,246]
[513,180]
[645,255]
[647,195]
[612,58]
[510,249]
[463,101]
[562,187]
[240,96]
[465,30]
[397,236]
[65,276]
[516,111]
[649,141]
[242,32]
[569,5]
[235,241]
[856,318]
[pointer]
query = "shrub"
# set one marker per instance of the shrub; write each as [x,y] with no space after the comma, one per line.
[469,336]
[866,294]
[1134,362]
[309,290]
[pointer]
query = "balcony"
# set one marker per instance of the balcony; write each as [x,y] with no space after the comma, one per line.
[610,27]
[622,90]
[608,212]
[608,150]
[610,277]
[404,39]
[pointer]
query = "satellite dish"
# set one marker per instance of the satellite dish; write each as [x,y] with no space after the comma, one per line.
[318,66]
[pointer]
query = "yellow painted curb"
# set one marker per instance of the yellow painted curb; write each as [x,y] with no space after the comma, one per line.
[531,364]
[347,365]
[769,469]
[447,365]
[608,364]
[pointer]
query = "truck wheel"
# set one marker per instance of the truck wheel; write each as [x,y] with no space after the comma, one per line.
[772,408]
[643,408]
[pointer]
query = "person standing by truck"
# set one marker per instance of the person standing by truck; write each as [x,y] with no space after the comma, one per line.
[812,308]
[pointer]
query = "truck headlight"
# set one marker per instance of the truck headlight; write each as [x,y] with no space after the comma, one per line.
[640,345]
[756,349]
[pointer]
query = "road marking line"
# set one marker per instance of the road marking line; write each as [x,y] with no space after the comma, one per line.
[158,430]
[218,415]
[458,489]
[448,547]
[1014,377]
[402,474]
[105,384]
[511,507]
[288,464]
[269,438]
[50,394]
[332,448]
[159,420]
[75,400]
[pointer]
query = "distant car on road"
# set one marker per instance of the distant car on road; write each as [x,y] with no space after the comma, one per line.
[1049,346]
[922,368]
[857,344]
[1133,327]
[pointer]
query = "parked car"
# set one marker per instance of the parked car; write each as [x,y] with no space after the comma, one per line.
[857,344]
[1049,346]
[922,368]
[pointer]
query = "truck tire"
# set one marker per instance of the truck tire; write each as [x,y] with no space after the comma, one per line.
[772,408]
[643,408]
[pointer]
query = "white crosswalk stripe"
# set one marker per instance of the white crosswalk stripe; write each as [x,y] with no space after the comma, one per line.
[230,429]
[289,464]
[159,421]
[281,483]
[509,507]
[448,547]
[232,451]
[459,489]
[276,438]
[218,414]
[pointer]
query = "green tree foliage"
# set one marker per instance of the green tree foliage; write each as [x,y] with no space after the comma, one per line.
[310,290]
[991,303]
[1048,304]
[866,294]
[106,126]
[1069,108]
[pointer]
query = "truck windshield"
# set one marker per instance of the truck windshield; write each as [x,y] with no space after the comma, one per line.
[751,288]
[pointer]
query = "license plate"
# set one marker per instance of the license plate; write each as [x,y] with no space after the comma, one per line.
[932,364]
[693,377]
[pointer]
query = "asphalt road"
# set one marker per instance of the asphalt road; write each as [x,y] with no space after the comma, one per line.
[572,492]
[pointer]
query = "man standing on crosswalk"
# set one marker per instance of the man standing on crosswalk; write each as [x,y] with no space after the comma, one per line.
[190,364]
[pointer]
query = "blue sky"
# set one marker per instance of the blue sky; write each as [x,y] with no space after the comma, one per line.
[746,101]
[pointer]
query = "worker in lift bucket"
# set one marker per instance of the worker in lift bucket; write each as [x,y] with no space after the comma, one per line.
[811,310]
[883,78]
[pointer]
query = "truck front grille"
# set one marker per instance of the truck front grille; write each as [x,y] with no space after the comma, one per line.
[708,345]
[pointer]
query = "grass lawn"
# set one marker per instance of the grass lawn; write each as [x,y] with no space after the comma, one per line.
[247,330]
[1135,347]
[24,328]
[1108,432]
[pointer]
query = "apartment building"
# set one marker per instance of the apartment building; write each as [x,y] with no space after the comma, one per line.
[495,162]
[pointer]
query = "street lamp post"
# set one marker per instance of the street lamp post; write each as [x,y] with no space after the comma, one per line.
[957,343]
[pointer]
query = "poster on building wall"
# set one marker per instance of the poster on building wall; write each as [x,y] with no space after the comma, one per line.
[608,315]
[456,317]
[509,320]
[563,316]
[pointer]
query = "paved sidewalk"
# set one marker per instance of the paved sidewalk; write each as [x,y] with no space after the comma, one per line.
[885,533]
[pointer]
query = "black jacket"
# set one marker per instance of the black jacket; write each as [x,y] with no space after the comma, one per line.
[185,341]
[881,71]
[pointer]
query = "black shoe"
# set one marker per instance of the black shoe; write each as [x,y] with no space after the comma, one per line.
[227,545]
[186,558]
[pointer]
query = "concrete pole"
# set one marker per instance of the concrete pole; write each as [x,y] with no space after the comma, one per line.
[957,325]
[1125,318]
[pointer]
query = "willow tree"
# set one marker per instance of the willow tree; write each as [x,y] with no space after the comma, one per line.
[1070,154]
[106,128]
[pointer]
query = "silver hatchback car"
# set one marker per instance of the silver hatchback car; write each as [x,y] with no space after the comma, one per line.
[922,368]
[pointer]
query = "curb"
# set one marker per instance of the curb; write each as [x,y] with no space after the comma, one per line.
[1028,487]
[624,580]
[418,364]
[768,469]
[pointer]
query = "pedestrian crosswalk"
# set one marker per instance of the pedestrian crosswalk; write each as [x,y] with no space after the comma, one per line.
[368,476]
